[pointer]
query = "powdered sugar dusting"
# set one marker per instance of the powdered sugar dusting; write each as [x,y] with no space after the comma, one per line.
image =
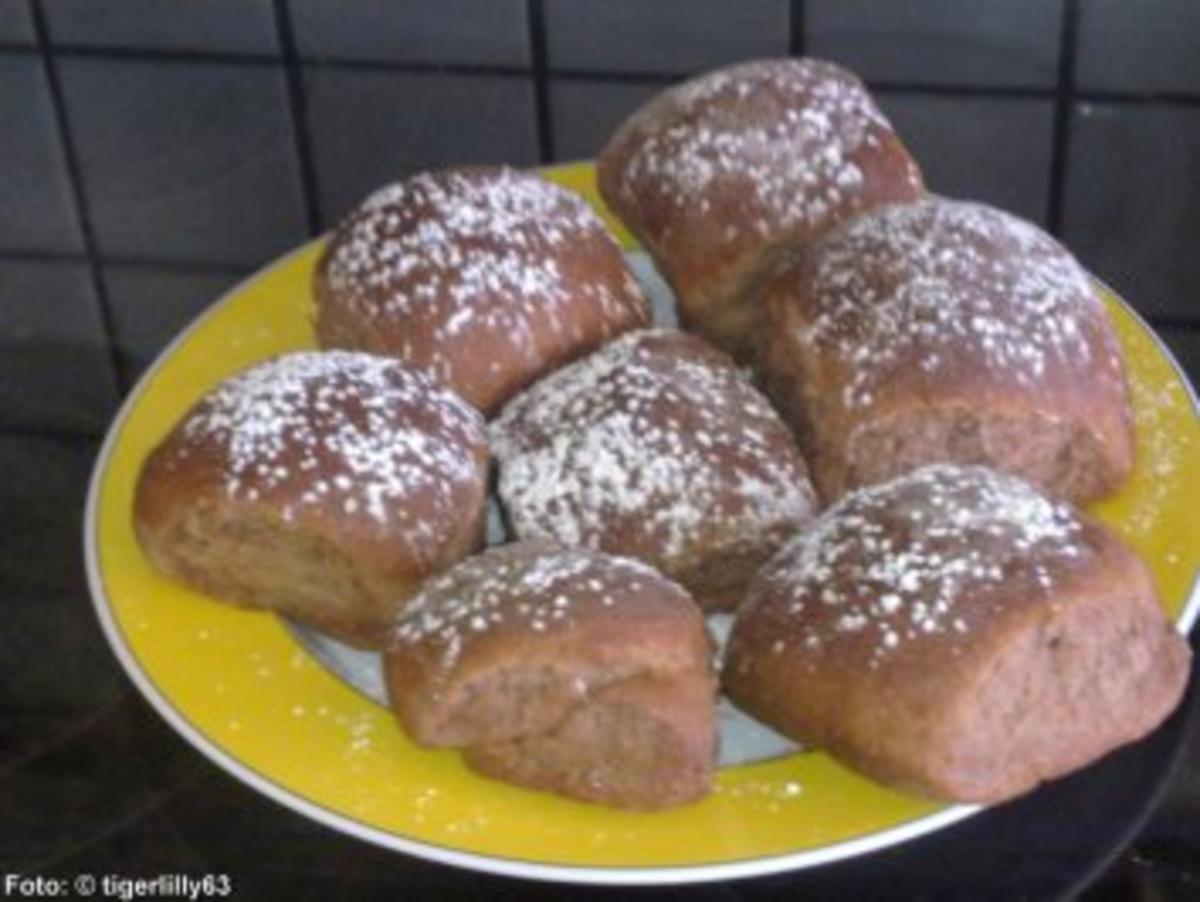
[541,589]
[782,132]
[351,432]
[936,280]
[662,437]
[894,562]
[1164,452]
[474,249]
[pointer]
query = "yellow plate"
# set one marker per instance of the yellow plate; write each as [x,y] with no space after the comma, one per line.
[238,686]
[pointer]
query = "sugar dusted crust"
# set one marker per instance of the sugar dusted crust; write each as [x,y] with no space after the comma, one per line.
[941,331]
[902,562]
[323,485]
[531,588]
[956,634]
[940,279]
[793,155]
[561,669]
[484,277]
[657,447]
[719,173]
[354,433]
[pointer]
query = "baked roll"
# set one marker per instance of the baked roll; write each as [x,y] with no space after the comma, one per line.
[947,331]
[658,448]
[564,670]
[956,634]
[486,277]
[722,175]
[323,486]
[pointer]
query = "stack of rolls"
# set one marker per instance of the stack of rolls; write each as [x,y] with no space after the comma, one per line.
[937,373]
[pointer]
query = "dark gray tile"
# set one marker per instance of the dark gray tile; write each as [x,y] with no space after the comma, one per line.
[988,149]
[186,161]
[370,128]
[149,845]
[41,494]
[585,113]
[54,369]
[1185,345]
[16,26]
[59,674]
[449,31]
[151,306]
[1152,45]
[37,212]
[106,767]
[239,26]
[985,42]
[678,36]
[1132,205]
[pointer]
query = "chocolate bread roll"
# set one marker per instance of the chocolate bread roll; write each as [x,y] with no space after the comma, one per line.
[946,331]
[324,486]
[659,448]
[486,277]
[722,176]
[956,634]
[561,669]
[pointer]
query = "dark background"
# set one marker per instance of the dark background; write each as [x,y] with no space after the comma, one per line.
[154,152]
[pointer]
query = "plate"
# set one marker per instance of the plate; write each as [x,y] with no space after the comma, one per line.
[246,691]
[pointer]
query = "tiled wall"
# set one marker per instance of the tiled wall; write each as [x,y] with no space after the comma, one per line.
[154,151]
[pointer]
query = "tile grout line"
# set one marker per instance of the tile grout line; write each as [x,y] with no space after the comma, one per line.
[301,136]
[48,433]
[451,70]
[1064,99]
[797,38]
[535,13]
[79,197]
[1146,98]
[134,262]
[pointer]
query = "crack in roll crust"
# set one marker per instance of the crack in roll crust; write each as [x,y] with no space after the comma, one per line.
[485,277]
[669,454]
[957,634]
[324,485]
[721,174]
[946,330]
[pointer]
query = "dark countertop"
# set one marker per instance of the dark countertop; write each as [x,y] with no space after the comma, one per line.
[156,157]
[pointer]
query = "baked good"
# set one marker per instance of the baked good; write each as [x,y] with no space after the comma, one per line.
[561,669]
[487,277]
[721,176]
[956,634]
[659,448]
[947,331]
[324,486]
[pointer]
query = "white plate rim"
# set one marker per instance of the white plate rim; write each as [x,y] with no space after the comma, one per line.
[507,867]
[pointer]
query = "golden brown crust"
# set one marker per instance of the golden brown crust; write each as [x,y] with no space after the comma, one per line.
[509,646]
[659,448]
[946,331]
[954,634]
[486,277]
[721,174]
[326,486]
